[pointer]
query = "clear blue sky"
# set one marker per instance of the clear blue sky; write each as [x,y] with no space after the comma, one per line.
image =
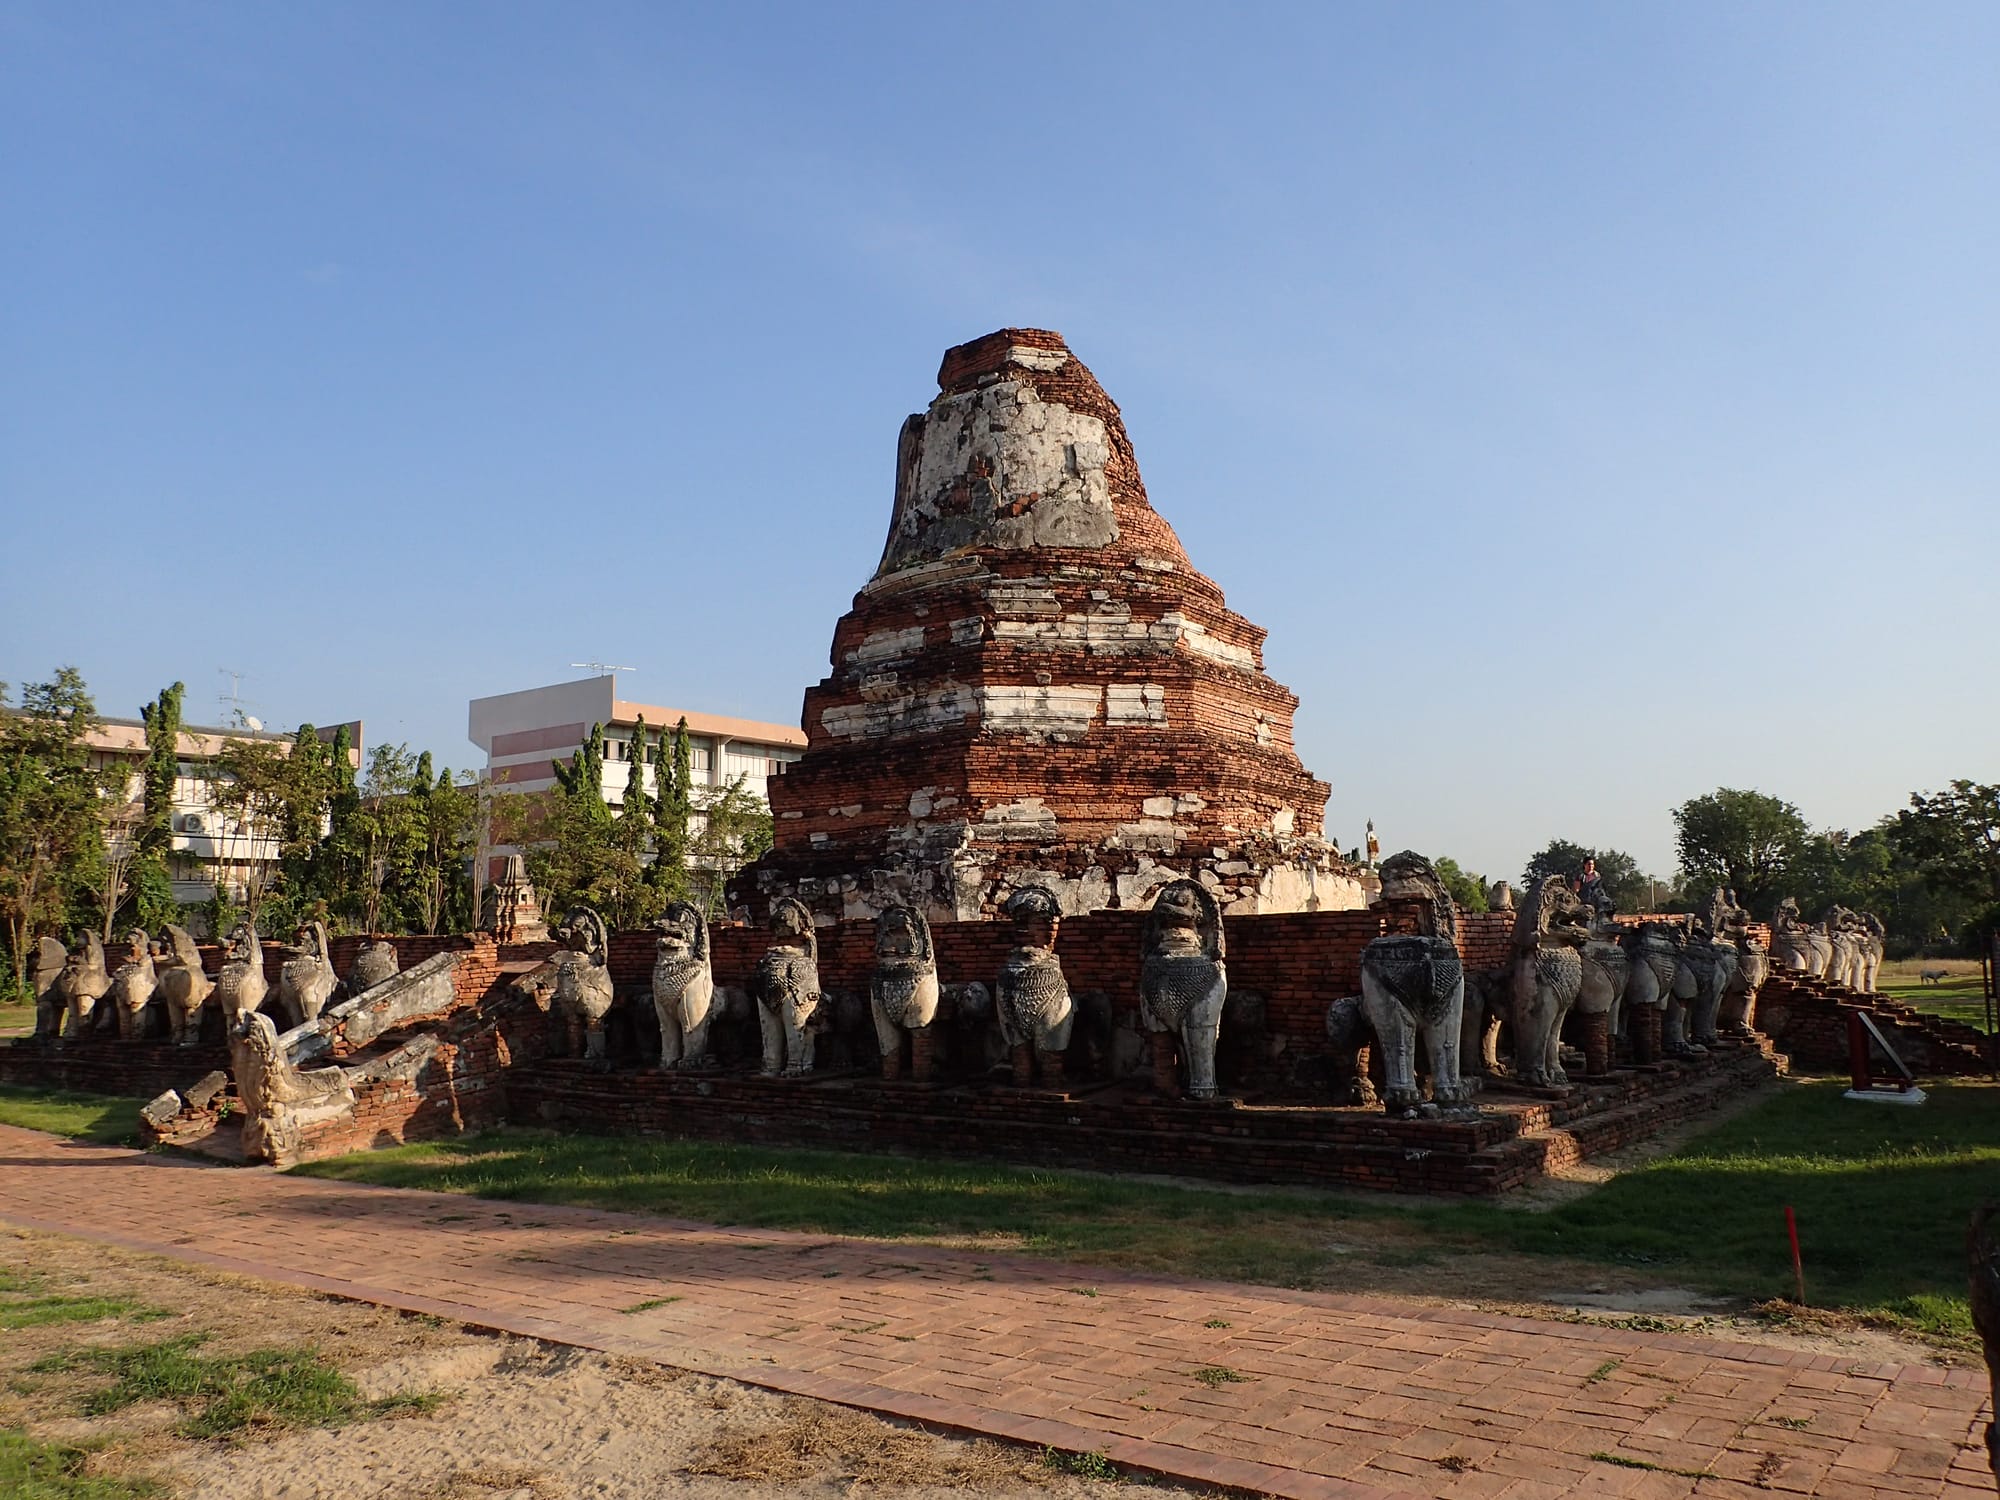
[1598,403]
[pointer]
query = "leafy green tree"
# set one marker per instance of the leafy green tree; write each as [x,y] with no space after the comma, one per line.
[1952,840]
[253,787]
[734,828]
[53,804]
[441,890]
[1623,881]
[1743,839]
[151,879]
[1467,891]
[571,844]
[384,834]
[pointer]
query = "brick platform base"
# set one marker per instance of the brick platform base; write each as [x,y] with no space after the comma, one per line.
[1126,1127]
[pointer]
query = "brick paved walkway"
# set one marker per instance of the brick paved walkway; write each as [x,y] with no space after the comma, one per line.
[1338,1396]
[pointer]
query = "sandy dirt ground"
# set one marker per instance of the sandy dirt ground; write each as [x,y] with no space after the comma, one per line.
[519,1420]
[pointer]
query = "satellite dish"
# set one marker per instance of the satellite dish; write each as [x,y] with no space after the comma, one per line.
[253,723]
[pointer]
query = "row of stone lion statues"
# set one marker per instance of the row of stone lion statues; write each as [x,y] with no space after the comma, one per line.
[1843,947]
[1183,984]
[1669,991]
[1662,988]
[161,989]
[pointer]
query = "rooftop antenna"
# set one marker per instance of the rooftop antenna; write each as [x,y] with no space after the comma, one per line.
[235,702]
[598,667]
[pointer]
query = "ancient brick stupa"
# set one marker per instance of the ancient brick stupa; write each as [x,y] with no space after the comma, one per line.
[1038,687]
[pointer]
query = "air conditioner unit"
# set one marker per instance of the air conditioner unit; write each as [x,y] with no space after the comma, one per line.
[192,823]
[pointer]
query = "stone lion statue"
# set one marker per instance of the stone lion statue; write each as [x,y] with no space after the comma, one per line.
[50,960]
[1031,997]
[683,987]
[583,988]
[786,988]
[903,995]
[1183,984]
[1413,987]
[1550,927]
[184,985]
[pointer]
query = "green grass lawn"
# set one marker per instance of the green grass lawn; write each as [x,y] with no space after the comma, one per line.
[1882,1196]
[104,1119]
[1959,998]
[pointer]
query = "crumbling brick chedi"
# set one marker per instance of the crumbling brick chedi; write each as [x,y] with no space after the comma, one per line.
[1038,688]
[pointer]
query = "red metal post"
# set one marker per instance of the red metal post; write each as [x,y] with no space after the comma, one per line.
[1798,1264]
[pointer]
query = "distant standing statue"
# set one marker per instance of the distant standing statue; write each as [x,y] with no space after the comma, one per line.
[903,995]
[1182,985]
[787,990]
[683,986]
[1032,998]
[583,990]
[1874,939]
[184,985]
[50,959]
[1374,845]
[1413,986]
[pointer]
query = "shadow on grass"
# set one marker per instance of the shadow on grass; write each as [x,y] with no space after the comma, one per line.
[104,1120]
[1882,1196]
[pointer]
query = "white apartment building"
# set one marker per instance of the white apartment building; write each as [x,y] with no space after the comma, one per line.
[525,734]
[208,847]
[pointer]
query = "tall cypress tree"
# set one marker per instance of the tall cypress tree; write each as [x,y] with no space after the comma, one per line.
[152,883]
[638,809]
[670,815]
[582,780]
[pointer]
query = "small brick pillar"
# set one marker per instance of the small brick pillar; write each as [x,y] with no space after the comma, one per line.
[1166,1075]
[1595,1034]
[1646,1034]
[1023,1058]
[923,1055]
[1052,1068]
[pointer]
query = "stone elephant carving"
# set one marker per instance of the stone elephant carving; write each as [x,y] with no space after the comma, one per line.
[903,994]
[787,990]
[683,987]
[1413,987]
